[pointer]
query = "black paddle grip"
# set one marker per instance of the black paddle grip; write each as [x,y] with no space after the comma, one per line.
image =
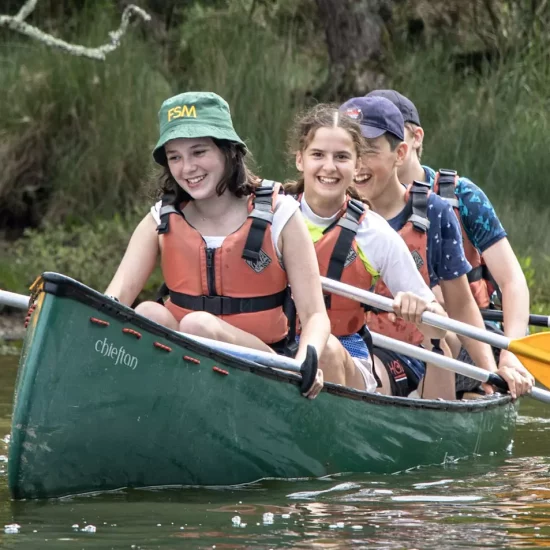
[498,382]
[498,316]
[309,369]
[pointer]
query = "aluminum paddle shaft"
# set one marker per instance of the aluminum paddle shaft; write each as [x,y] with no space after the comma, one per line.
[518,347]
[451,364]
[13,300]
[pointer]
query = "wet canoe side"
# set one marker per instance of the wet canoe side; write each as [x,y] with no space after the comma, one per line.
[90,417]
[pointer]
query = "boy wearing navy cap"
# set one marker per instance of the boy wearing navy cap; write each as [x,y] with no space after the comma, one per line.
[425,221]
[496,267]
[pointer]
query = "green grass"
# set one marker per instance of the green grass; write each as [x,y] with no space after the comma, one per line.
[495,129]
[76,135]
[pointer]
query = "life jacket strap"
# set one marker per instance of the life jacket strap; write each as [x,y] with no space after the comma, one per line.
[482,272]
[419,193]
[446,181]
[226,305]
[476,274]
[167,207]
[349,224]
[262,216]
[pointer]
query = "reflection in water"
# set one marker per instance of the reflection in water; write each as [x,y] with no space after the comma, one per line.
[490,502]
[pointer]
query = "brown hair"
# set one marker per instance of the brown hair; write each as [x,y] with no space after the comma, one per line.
[237,177]
[393,141]
[303,132]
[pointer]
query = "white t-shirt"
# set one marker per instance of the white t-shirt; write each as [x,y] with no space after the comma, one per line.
[284,210]
[385,251]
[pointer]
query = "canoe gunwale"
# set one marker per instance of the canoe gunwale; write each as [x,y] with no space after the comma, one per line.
[65,287]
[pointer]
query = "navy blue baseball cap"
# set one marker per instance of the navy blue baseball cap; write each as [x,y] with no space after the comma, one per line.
[404,104]
[376,115]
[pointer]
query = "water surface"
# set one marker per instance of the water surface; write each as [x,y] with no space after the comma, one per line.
[479,502]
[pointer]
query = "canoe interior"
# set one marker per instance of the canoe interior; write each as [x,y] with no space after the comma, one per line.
[107,399]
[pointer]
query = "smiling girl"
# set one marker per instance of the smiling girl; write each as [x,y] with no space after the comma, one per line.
[356,246]
[229,243]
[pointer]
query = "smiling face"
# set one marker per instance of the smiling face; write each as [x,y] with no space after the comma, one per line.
[196,164]
[378,167]
[328,164]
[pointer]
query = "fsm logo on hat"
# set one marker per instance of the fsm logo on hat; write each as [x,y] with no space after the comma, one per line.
[183,111]
[354,113]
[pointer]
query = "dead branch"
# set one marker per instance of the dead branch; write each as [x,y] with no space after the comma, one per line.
[17,23]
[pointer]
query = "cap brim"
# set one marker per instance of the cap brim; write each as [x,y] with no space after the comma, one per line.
[193,131]
[372,132]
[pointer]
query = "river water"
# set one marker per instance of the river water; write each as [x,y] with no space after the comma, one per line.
[478,502]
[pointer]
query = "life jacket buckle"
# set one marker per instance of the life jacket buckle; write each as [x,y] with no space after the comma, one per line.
[216,305]
[447,172]
[447,176]
[263,191]
[356,207]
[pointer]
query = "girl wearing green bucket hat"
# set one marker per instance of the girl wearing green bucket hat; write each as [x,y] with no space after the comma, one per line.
[229,243]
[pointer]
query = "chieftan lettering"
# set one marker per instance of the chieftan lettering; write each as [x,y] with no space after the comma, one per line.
[183,111]
[119,355]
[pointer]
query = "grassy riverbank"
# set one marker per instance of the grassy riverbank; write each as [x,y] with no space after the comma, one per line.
[77,134]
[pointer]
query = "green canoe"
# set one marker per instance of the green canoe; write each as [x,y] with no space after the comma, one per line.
[107,399]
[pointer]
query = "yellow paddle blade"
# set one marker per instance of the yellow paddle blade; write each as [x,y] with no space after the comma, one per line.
[540,371]
[534,353]
[534,346]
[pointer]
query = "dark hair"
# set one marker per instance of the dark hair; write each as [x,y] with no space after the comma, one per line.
[303,132]
[392,140]
[237,177]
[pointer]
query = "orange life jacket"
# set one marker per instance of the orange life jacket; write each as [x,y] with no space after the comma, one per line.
[339,259]
[415,235]
[481,281]
[242,282]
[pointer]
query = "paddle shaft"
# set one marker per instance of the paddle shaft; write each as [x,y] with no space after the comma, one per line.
[12,299]
[498,316]
[451,364]
[286,363]
[263,357]
[429,318]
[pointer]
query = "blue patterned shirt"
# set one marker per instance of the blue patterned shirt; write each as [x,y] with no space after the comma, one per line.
[446,259]
[478,216]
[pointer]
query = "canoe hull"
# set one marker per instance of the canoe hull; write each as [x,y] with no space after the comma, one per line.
[100,407]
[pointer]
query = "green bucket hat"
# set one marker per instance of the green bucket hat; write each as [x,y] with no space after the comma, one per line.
[193,115]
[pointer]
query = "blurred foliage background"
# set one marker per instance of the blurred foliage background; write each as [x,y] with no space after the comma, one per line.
[76,134]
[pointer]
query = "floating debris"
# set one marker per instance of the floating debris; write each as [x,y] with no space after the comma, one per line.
[268,518]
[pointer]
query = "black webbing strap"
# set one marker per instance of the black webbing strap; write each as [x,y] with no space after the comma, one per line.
[167,208]
[262,216]
[225,305]
[489,277]
[365,334]
[476,274]
[162,292]
[289,308]
[446,183]
[349,224]
[419,202]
